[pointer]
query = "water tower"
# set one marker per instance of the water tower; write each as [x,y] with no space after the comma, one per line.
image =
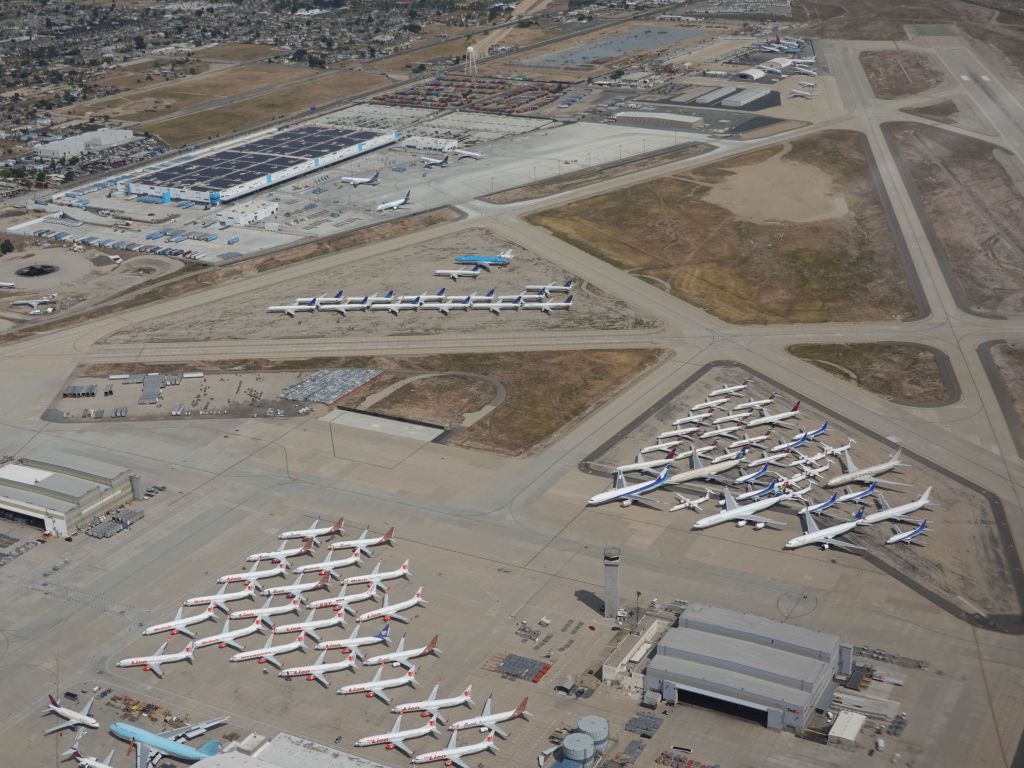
[470,60]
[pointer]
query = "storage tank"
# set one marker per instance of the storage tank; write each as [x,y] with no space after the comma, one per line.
[579,748]
[596,728]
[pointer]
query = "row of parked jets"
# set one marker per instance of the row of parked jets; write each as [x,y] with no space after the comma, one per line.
[763,484]
[297,544]
[427,162]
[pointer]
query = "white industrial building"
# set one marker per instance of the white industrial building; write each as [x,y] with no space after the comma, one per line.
[243,214]
[91,141]
[745,96]
[669,120]
[750,74]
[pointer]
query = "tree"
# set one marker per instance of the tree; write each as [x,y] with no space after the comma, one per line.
[6,247]
[140,42]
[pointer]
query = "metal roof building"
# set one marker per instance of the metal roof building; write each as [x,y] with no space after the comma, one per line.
[774,673]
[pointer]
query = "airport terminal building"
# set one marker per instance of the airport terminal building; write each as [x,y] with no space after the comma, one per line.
[61,493]
[774,673]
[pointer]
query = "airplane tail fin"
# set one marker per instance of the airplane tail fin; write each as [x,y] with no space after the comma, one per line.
[520,711]
[388,536]
[432,646]
[53,701]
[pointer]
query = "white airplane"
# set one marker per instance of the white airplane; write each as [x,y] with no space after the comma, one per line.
[180,624]
[364,542]
[455,274]
[376,577]
[392,205]
[769,68]
[730,390]
[826,537]
[908,537]
[465,153]
[751,404]
[769,48]
[314,533]
[91,762]
[434,162]
[447,306]
[495,307]
[349,306]
[330,566]
[426,298]
[227,637]
[821,506]
[803,437]
[809,473]
[804,61]
[747,442]
[319,668]
[377,685]
[453,754]
[679,432]
[343,602]
[489,722]
[222,598]
[744,513]
[36,303]
[775,418]
[708,404]
[694,504]
[396,307]
[644,466]
[550,288]
[720,432]
[353,642]
[252,576]
[268,653]
[858,495]
[152,663]
[853,474]
[755,493]
[808,84]
[432,705]
[8,285]
[356,181]
[802,94]
[400,656]
[390,611]
[72,718]
[693,418]
[627,494]
[734,416]
[886,512]
[282,554]
[268,610]
[396,737]
[805,70]
[717,467]
[547,307]
[298,588]
[311,625]
[292,309]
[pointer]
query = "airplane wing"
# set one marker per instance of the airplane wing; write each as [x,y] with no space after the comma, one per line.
[809,525]
[154,667]
[397,617]
[762,520]
[234,644]
[59,727]
[730,502]
[146,756]
[844,545]
[883,505]
[436,713]
[109,760]
[848,465]
[88,706]
[495,729]
[196,729]
[319,677]
[382,696]
[458,761]
[272,659]
[401,747]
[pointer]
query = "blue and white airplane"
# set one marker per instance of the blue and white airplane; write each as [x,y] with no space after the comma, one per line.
[858,495]
[150,748]
[498,260]
[907,537]
[827,537]
[823,505]
[434,162]
[627,494]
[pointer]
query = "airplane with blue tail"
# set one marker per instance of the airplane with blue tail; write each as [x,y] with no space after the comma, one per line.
[150,748]
[907,537]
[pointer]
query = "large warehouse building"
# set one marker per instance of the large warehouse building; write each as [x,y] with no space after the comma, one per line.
[260,162]
[61,493]
[774,673]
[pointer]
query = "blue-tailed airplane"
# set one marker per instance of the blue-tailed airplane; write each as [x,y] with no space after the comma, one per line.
[907,537]
[498,260]
[627,494]
[150,747]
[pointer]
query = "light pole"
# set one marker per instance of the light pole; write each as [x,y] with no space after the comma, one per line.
[637,615]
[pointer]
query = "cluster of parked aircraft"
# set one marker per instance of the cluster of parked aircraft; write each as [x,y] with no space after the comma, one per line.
[783,474]
[312,576]
[426,160]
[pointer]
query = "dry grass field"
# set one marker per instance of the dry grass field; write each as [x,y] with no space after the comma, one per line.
[895,74]
[236,52]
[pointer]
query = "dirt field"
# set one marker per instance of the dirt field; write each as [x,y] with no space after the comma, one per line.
[131,76]
[408,272]
[235,52]
[904,373]
[723,238]
[944,111]
[211,123]
[976,210]
[443,399]
[894,74]
[149,103]
[1010,360]
[964,564]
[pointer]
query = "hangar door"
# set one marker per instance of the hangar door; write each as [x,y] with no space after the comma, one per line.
[20,517]
[725,704]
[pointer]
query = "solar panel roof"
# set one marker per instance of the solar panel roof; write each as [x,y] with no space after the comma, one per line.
[254,159]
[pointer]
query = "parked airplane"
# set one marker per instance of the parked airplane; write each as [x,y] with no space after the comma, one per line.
[377,685]
[805,70]
[396,307]
[396,737]
[547,307]
[268,610]
[775,418]
[364,542]
[808,84]
[292,309]
[627,494]
[227,636]
[351,306]
[315,532]
[495,307]
[679,432]
[72,718]
[392,205]
[330,566]
[908,537]
[447,306]
[222,598]
[390,611]
[91,762]
[822,505]
[747,442]
[252,576]
[453,754]
[150,748]
[488,721]
[645,466]
[756,493]
[343,602]
[180,624]
[826,537]
[853,474]
[770,69]
[809,473]
[152,663]
[356,181]
[311,625]
[319,668]
[498,260]
[720,432]
[36,303]
[283,552]
[465,153]
[432,706]
[353,642]
[455,274]
[802,94]
[268,653]
[718,466]
[759,404]
[8,285]
[693,418]
[900,512]
[858,495]
[550,288]
[434,162]
[745,513]
[400,656]
[694,504]
[709,404]
[733,416]
[298,587]
[802,438]
[376,577]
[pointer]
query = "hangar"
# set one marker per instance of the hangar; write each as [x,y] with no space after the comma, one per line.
[259,162]
[61,493]
[773,673]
